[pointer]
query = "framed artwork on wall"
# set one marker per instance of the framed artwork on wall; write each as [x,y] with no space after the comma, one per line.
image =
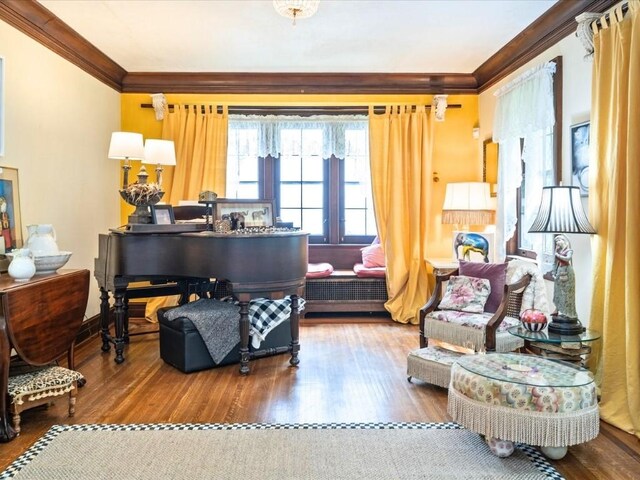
[580,156]
[1,106]
[10,221]
[474,246]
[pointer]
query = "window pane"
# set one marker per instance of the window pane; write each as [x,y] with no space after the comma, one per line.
[290,168]
[354,222]
[371,223]
[291,215]
[313,169]
[312,195]
[354,196]
[248,169]
[312,221]
[248,190]
[290,195]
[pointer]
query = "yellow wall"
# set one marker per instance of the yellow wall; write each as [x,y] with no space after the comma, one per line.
[456,154]
[58,121]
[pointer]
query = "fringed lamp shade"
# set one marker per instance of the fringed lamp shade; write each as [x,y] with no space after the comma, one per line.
[561,212]
[468,203]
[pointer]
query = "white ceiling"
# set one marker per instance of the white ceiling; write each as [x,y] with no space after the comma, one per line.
[391,36]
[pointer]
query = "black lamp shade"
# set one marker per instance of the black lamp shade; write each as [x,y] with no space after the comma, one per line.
[561,212]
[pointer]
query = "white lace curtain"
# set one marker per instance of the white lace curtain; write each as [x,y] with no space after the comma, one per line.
[524,110]
[269,127]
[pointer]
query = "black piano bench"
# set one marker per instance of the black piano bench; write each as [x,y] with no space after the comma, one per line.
[182,347]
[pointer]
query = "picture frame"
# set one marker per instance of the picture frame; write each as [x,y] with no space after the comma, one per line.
[580,134]
[252,213]
[162,215]
[10,218]
[490,165]
[474,246]
[2,106]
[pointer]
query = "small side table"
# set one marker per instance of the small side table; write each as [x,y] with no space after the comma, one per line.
[442,266]
[570,348]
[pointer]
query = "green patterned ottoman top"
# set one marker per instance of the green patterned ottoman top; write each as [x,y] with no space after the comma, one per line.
[526,370]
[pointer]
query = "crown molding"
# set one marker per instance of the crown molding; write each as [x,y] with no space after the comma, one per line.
[296,83]
[556,23]
[34,20]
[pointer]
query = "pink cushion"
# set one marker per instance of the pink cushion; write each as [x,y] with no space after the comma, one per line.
[369,272]
[496,273]
[373,256]
[319,270]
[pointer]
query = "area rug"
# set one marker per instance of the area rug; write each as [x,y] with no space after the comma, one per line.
[371,451]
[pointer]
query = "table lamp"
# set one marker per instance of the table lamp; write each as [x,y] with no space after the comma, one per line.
[160,152]
[126,146]
[469,203]
[561,212]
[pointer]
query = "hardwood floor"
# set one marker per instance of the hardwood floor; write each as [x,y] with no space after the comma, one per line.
[348,373]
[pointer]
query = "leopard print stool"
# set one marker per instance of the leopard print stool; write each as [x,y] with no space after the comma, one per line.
[31,389]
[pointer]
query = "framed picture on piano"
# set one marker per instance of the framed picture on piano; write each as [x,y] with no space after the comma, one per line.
[245,213]
[162,215]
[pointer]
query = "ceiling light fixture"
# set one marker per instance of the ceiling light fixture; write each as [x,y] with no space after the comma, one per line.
[296,8]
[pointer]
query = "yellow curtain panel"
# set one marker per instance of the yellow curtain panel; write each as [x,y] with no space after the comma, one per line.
[200,136]
[401,158]
[613,203]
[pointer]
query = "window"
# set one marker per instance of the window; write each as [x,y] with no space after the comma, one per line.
[529,126]
[316,169]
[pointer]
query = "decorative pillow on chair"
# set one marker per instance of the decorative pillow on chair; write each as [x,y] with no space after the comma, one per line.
[496,273]
[466,294]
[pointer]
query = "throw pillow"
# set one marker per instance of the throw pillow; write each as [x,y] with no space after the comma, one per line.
[466,294]
[373,256]
[496,273]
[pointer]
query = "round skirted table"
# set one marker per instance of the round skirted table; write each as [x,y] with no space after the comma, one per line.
[526,399]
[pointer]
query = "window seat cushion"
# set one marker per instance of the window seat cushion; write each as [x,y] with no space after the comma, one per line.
[369,272]
[319,270]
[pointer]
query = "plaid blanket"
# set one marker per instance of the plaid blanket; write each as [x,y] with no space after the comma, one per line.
[266,314]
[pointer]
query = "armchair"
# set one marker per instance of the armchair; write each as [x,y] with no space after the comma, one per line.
[477,331]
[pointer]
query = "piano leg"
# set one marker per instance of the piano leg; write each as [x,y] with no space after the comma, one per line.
[244,337]
[125,307]
[104,319]
[295,331]
[119,314]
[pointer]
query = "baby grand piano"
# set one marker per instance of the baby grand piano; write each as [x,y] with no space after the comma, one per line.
[255,265]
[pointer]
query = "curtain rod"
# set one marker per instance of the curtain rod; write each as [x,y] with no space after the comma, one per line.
[608,13]
[302,111]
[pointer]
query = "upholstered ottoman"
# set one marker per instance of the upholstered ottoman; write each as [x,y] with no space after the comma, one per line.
[431,365]
[182,346]
[35,388]
[524,398]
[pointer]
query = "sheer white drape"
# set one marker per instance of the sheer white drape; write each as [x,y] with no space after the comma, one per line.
[524,110]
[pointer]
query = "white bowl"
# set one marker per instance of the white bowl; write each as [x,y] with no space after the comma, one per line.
[51,263]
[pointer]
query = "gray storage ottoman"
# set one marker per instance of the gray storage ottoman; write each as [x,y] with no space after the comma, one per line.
[182,346]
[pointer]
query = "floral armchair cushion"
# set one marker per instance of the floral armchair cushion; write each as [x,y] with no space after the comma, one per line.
[466,294]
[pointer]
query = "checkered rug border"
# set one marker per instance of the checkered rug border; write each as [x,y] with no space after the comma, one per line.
[532,453]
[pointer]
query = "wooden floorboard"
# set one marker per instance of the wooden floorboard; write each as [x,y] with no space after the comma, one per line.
[348,373]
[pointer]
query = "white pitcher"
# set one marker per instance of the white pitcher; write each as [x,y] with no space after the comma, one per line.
[22,267]
[42,239]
